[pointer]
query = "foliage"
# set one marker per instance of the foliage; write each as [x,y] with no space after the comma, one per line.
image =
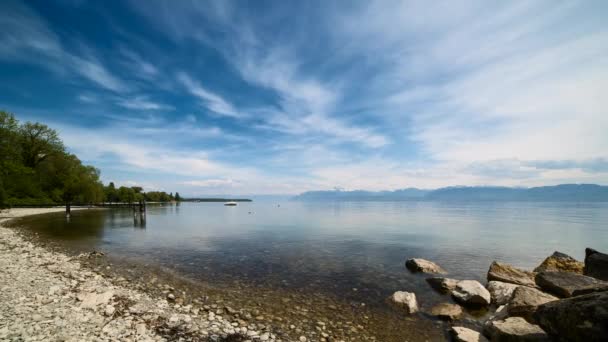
[36,169]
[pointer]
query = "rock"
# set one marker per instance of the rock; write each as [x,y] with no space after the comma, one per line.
[515,329]
[500,291]
[141,329]
[563,284]
[525,300]
[589,289]
[462,334]
[443,285]
[596,264]
[560,262]
[447,311]
[109,310]
[171,297]
[582,318]
[404,300]
[425,266]
[92,300]
[502,312]
[509,274]
[472,293]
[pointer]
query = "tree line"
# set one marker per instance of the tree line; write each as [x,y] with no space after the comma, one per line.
[37,169]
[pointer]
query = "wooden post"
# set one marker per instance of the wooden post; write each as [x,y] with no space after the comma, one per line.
[68,209]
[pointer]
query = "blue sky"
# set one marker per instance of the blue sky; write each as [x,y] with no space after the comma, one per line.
[279,97]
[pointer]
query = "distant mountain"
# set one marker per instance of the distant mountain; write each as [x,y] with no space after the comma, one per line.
[561,193]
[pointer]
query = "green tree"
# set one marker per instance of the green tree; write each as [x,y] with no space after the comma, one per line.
[38,142]
[111,194]
[177,197]
[2,194]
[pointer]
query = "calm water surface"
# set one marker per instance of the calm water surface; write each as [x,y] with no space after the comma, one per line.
[355,250]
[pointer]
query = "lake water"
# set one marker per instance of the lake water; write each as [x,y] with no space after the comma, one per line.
[355,250]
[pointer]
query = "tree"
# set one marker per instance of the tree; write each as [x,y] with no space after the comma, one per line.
[111,194]
[2,194]
[38,142]
[177,197]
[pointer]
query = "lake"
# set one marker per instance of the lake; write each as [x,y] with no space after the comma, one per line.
[351,250]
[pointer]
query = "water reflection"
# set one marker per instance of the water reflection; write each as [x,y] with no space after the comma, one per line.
[356,250]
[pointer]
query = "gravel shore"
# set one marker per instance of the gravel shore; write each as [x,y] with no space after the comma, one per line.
[49,296]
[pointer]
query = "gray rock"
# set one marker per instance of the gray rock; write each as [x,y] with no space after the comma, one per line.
[582,318]
[422,265]
[405,301]
[447,311]
[525,301]
[596,264]
[462,334]
[560,262]
[509,274]
[500,291]
[471,293]
[443,285]
[515,329]
[564,284]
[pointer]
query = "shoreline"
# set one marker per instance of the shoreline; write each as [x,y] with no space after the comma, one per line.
[173,306]
[47,295]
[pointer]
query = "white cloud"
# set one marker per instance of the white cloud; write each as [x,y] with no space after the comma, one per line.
[142,103]
[25,37]
[212,101]
[211,183]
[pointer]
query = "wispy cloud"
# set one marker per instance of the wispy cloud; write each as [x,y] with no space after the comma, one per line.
[25,37]
[212,101]
[142,103]
[97,73]
[211,183]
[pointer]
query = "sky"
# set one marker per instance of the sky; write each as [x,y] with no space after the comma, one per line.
[281,97]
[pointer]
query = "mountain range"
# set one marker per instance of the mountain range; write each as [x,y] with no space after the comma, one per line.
[560,193]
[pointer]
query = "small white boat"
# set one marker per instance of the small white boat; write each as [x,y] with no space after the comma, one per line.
[231,203]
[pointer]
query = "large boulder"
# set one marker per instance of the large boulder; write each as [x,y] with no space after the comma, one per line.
[596,264]
[425,266]
[514,329]
[509,274]
[582,318]
[443,285]
[471,293]
[566,284]
[462,334]
[525,300]
[447,311]
[500,291]
[560,262]
[405,301]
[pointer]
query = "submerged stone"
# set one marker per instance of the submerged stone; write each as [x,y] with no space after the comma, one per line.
[425,266]
[442,285]
[447,311]
[405,301]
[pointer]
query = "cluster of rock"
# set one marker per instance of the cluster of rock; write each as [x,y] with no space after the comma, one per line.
[562,299]
[49,296]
